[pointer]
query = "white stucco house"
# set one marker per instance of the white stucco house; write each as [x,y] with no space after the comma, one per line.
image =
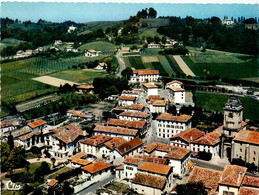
[159,106]
[126,100]
[91,53]
[150,89]
[144,75]
[174,83]
[176,94]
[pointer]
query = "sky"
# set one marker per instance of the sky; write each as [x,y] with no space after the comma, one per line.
[86,12]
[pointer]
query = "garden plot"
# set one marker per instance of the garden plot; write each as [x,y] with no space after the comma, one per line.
[147,59]
[53,81]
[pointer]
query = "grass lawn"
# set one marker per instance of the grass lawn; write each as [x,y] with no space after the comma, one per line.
[224,70]
[151,52]
[104,47]
[136,62]
[33,167]
[150,32]
[30,155]
[80,75]
[58,172]
[126,61]
[216,102]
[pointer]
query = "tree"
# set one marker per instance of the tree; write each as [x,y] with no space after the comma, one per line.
[67,190]
[27,189]
[150,39]
[191,189]
[215,20]
[163,40]
[157,39]
[35,150]
[127,73]
[99,33]
[152,12]
[53,160]
[107,30]
[10,141]
[250,21]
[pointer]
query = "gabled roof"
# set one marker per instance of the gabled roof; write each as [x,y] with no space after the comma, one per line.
[77,156]
[189,135]
[146,72]
[247,136]
[126,123]
[137,160]
[116,130]
[160,103]
[155,168]
[85,86]
[135,114]
[211,139]
[129,98]
[154,97]
[129,146]
[175,81]
[176,88]
[176,152]
[248,191]
[96,167]
[37,123]
[29,135]
[52,182]
[233,175]
[208,177]
[92,51]
[96,140]
[170,117]
[150,180]
[149,85]
[251,181]
[130,92]
[136,106]
[115,142]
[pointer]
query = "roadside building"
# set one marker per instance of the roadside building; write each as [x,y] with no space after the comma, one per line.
[85,88]
[176,94]
[169,125]
[78,160]
[135,116]
[101,66]
[150,89]
[174,83]
[135,107]
[112,131]
[91,53]
[245,146]
[126,100]
[210,142]
[159,106]
[130,93]
[144,75]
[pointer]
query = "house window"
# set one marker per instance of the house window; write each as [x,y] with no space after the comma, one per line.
[240,149]
[228,193]
[253,158]
[254,153]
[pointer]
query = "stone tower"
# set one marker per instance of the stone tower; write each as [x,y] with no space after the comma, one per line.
[233,115]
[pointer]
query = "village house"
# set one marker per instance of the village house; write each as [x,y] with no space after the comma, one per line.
[31,139]
[85,88]
[227,22]
[8,126]
[126,100]
[169,125]
[178,157]
[245,146]
[141,126]
[250,185]
[135,107]
[20,53]
[52,183]
[108,147]
[210,142]
[153,172]
[91,53]
[153,45]
[64,141]
[174,83]
[150,89]
[130,148]
[71,28]
[125,49]
[78,160]
[130,93]
[93,144]
[111,131]
[152,98]
[97,171]
[185,138]
[176,95]
[145,75]
[38,125]
[135,116]
[101,66]
[58,42]
[159,106]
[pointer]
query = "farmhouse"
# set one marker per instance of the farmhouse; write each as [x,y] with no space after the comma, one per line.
[111,131]
[174,83]
[31,139]
[85,88]
[136,107]
[176,94]
[159,106]
[101,66]
[245,146]
[126,100]
[145,75]
[150,89]
[91,53]
[135,116]
[169,125]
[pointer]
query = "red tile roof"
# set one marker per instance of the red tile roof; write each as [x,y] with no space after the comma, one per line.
[160,103]
[115,142]
[52,182]
[82,162]
[170,117]
[96,167]
[37,123]
[248,191]
[208,177]
[116,130]
[130,98]
[135,114]
[77,156]
[85,86]
[126,123]
[189,135]
[233,175]
[155,168]
[146,72]
[96,140]
[103,64]
[247,136]
[129,146]
[137,160]
[175,81]
[211,139]
[29,135]
[129,92]
[176,152]
[149,85]
[135,106]
[154,97]
[251,181]
[78,159]
[150,180]
[176,88]
[120,167]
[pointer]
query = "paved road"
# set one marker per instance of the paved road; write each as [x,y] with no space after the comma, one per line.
[207,164]
[183,66]
[93,188]
[122,65]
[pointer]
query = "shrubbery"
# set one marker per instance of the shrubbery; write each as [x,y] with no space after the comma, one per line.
[204,155]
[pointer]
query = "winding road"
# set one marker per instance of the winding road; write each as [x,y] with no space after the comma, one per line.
[122,64]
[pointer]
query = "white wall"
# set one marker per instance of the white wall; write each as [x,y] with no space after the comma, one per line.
[223,189]
[145,190]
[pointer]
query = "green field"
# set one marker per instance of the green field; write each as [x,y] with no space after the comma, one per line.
[79,75]
[216,102]
[136,62]
[105,47]
[150,32]
[224,70]
[174,65]
[9,42]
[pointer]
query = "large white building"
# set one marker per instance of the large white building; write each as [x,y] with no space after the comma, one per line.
[136,107]
[176,95]
[159,106]
[130,93]
[168,125]
[145,75]
[174,83]
[150,89]
[126,100]
[135,116]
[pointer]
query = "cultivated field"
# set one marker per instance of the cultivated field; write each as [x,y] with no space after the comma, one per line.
[150,32]
[53,81]
[106,48]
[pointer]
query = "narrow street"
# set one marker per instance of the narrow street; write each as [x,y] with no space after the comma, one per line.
[121,63]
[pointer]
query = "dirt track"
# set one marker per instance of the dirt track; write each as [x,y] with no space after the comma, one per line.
[185,68]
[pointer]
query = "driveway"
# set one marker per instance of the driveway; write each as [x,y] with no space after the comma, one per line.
[121,63]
